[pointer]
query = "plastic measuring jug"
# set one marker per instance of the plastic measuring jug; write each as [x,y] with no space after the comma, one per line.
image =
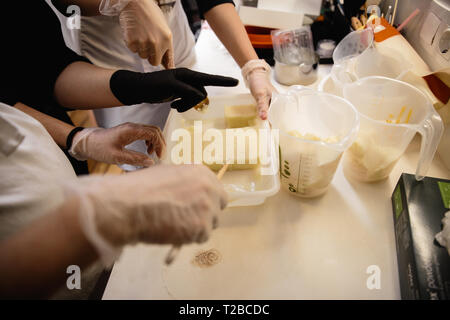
[357,56]
[314,129]
[391,113]
[295,59]
[353,45]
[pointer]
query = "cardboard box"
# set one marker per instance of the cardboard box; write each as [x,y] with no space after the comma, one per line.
[423,265]
[270,19]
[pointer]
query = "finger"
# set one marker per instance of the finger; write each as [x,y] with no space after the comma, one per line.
[205,79]
[158,57]
[161,139]
[133,46]
[134,158]
[183,105]
[158,144]
[190,97]
[154,56]
[201,89]
[216,185]
[168,60]
[151,134]
[262,102]
[144,53]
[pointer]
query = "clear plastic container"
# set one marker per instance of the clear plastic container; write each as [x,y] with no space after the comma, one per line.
[357,57]
[391,113]
[373,63]
[353,45]
[315,128]
[244,187]
[294,47]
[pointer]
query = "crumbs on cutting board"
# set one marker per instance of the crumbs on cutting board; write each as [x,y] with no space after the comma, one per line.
[208,258]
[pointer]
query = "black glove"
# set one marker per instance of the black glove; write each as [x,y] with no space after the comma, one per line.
[184,86]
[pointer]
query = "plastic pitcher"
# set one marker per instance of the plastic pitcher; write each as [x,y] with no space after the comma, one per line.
[354,44]
[294,47]
[345,54]
[314,128]
[357,57]
[391,113]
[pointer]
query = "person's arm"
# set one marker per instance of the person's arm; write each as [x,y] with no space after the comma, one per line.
[228,27]
[84,86]
[104,145]
[33,262]
[59,130]
[159,205]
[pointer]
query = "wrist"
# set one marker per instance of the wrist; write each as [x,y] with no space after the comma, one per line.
[125,86]
[86,191]
[78,146]
[254,65]
[71,136]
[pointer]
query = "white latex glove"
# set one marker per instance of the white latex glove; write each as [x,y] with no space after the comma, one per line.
[108,145]
[443,237]
[160,205]
[144,29]
[256,74]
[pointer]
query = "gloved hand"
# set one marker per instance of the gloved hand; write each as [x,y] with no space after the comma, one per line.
[160,205]
[144,29]
[108,145]
[161,86]
[256,74]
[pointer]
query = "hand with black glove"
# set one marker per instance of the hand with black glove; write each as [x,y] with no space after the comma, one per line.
[186,88]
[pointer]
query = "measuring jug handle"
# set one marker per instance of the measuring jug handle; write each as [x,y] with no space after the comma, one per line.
[431,130]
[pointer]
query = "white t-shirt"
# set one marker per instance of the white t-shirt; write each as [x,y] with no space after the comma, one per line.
[32,167]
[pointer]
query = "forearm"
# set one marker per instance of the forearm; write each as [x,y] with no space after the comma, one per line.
[59,130]
[88,7]
[33,263]
[228,27]
[84,86]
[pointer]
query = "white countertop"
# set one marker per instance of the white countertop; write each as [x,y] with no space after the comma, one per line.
[287,248]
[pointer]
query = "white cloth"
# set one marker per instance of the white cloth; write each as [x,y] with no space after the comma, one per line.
[101,41]
[31,168]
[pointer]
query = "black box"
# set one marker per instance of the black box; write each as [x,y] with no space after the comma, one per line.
[423,265]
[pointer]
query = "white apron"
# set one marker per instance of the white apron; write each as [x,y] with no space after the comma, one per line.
[100,40]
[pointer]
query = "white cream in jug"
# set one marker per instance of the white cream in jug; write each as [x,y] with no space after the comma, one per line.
[369,161]
[307,169]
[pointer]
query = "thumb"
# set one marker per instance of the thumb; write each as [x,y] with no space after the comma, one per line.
[134,158]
